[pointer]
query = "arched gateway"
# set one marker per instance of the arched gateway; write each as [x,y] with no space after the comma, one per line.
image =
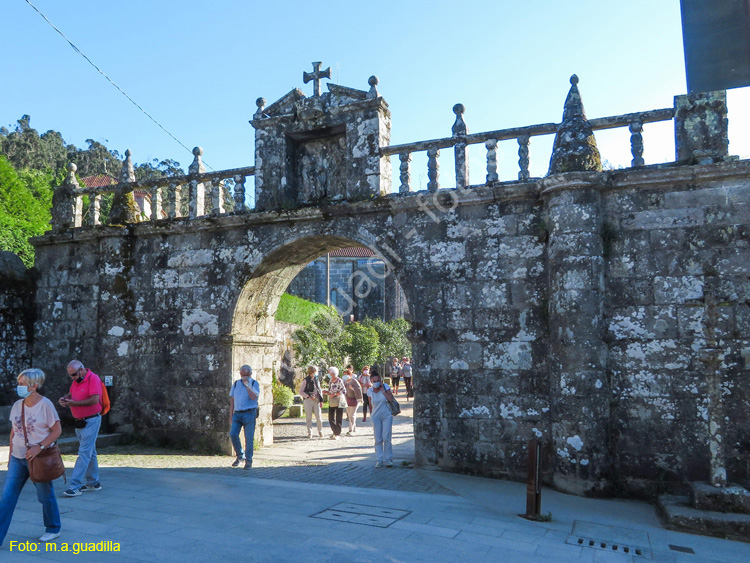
[566,309]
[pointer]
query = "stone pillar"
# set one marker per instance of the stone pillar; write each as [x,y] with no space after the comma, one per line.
[579,387]
[700,127]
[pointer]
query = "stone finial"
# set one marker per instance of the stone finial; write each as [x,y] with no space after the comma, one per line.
[575,146]
[315,76]
[459,127]
[128,172]
[373,81]
[124,208]
[197,167]
[261,103]
[64,202]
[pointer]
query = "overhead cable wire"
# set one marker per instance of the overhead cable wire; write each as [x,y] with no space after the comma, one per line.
[131,100]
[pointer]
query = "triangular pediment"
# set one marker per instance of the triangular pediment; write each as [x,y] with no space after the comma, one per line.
[285,104]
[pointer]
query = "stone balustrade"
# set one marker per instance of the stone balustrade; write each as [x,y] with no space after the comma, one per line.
[461,139]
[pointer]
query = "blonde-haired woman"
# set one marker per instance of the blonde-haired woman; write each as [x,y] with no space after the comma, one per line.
[42,431]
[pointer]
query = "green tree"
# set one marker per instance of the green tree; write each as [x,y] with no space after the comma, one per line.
[363,345]
[322,343]
[25,201]
[392,338]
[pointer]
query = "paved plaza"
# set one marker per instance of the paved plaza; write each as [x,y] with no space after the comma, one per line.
[322,500]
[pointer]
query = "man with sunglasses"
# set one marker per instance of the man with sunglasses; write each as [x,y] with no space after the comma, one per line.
[85,406]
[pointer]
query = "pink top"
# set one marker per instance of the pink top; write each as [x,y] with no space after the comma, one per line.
[39,420]
[91,385]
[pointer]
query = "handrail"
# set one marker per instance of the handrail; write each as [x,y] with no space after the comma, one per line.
[600,123]
[166,180]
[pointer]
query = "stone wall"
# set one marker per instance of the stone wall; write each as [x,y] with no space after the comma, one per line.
[16,323]
[568,309]
[669,247]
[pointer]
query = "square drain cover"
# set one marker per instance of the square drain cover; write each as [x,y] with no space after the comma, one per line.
[362,514]
[610,538]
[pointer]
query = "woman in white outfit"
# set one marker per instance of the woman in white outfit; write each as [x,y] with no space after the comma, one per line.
[353,398]
[382,420]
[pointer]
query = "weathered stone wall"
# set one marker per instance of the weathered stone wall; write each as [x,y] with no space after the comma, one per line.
[566,309]
[668,246]
[16,323]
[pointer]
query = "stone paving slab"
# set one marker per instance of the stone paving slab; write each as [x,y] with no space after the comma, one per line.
[177,515]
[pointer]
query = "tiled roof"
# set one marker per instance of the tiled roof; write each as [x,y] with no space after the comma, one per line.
[352,253]
[98,181]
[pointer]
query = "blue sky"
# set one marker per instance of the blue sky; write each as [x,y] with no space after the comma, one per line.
[198,67]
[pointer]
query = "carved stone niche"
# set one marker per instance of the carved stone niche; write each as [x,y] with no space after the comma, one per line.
[321,149]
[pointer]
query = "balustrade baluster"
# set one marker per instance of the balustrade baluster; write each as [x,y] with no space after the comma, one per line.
[239,193]
[491,145]
[95,210]
[636,143]
[175,200]
[433,169]
[217,196]
[523,157]
[156,203]
[405,158]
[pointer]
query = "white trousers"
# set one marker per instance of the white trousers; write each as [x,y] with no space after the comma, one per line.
[351,416]
[313,406]
[382,424]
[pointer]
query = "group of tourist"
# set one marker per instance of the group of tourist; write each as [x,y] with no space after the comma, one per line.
[346,393]
[35,427]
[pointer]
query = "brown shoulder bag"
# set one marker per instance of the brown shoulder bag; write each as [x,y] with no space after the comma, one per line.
[48,465]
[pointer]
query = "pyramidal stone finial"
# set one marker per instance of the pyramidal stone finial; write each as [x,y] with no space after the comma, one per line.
[575,146]
[124,208]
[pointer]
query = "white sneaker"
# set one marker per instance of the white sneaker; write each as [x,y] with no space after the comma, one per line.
[49,536]
[349,433]
[389,463]
[379,464]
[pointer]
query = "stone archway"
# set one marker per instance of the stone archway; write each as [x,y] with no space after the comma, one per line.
[253,336]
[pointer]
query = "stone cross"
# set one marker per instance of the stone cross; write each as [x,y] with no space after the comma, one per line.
[315,76]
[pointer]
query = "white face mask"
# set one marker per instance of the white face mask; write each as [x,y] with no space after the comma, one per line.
[23,391]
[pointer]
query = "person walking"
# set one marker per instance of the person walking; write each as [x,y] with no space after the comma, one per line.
[406,373]
[353,398]
[84,401]
[382,420]
[364,381]
[393,371]
[312,396]
[243,410]
[42,429]
[336,402]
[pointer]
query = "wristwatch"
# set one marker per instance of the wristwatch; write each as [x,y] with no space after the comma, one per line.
[41,446]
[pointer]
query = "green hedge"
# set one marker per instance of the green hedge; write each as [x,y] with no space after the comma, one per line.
[298,311]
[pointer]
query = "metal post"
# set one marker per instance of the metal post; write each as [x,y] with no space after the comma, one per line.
[533,482]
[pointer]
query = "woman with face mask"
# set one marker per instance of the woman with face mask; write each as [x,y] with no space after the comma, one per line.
[382,420]
[42,431]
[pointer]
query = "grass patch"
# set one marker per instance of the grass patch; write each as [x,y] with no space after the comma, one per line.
[298,311]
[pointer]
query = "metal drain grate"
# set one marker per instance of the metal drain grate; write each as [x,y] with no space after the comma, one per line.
[609,538]
[681,549]
[362,514]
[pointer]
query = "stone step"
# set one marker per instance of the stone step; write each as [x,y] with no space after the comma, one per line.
[680,516]
[70,445]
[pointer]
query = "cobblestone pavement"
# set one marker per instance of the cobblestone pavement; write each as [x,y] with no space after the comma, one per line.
[349,461]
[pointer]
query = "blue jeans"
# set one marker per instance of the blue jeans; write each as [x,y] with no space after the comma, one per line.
[15,479]
[244,420]
[87,466]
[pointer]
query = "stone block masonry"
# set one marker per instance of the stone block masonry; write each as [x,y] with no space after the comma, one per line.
[576,309]
[16,323]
